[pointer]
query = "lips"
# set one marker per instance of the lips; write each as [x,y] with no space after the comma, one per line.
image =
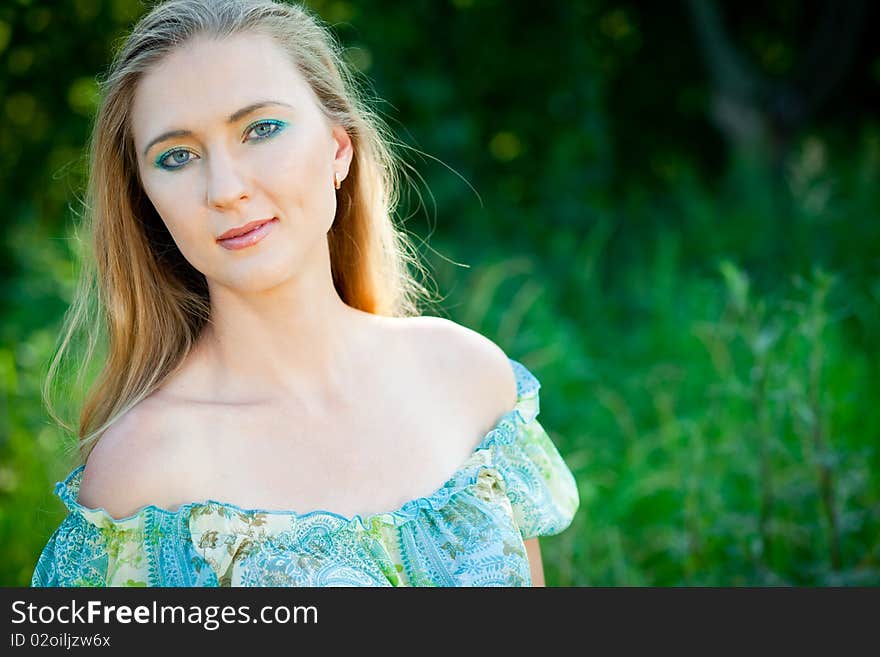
[250,238]
[241,230]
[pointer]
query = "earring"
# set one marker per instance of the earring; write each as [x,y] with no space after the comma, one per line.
[337,181]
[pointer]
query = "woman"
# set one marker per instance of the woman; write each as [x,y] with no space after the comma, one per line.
[270,390]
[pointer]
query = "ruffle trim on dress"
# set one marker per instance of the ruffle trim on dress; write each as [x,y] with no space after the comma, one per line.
[467,476]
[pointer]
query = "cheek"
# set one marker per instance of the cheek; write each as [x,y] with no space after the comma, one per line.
[296,169]
[175,205]
[289,173]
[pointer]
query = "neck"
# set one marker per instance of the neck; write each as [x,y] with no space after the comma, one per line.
[295,341]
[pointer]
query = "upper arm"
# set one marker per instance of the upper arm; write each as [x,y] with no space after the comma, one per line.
[533,549]
[129,467]
[490,386]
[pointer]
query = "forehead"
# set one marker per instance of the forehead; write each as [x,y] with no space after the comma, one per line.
[206,79]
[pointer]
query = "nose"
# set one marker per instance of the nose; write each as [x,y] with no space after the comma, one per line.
[226,183]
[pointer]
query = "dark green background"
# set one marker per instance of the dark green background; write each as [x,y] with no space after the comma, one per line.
[668,214]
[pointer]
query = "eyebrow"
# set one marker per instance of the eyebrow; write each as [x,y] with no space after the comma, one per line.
[235,116]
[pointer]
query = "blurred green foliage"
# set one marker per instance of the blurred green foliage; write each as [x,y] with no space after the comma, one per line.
[704,324]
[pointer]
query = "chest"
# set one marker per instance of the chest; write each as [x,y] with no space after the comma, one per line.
[386,448]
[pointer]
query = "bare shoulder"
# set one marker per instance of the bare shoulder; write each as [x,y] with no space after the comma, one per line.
[135,462]
[473,362]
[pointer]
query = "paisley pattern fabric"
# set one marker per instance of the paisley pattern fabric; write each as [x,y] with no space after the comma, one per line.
[470,532]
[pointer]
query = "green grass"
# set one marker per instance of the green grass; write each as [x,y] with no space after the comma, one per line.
[720,434]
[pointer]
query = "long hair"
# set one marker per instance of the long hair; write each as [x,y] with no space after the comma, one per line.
[136,292]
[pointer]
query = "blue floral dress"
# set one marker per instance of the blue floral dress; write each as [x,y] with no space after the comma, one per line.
[470,532]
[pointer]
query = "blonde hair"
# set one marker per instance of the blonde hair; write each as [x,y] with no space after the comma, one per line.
[139,288]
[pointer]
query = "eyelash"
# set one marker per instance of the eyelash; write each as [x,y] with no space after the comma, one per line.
[165,155]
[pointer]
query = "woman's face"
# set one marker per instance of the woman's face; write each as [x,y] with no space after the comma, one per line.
[208,163]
